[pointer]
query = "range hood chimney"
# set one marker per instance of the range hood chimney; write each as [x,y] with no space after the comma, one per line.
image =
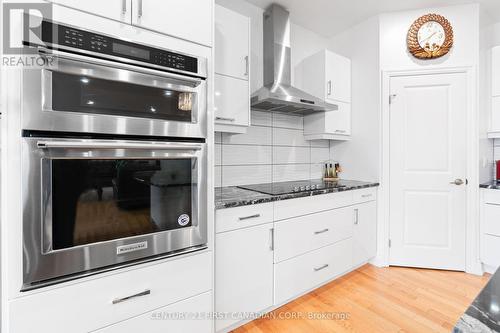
[278,95]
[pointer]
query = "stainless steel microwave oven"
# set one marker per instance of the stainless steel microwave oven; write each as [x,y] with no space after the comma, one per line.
[91,82]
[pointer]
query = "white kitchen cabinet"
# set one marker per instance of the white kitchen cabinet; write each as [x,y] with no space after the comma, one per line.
[495,71]
[364,233]
[327,75]
[232,43]
[231,104]
[147,289]
[191,20]
[490,228]
[232,68]
[113,9]
[332,125]
[243,272]
[307,233]
[170,318]
[306,272]
[494,131]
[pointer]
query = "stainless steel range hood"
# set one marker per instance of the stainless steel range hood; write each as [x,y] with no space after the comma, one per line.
[278,95]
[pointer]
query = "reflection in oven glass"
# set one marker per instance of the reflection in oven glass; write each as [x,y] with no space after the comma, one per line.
[100,200]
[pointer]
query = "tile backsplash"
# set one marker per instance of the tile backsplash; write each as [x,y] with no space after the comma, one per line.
[272,150]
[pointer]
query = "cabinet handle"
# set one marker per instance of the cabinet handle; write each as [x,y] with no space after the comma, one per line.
[247,66]
[321,268]
[340,131]
[139,9]
[329,89]
[356,216]
[321,232]
[225,119]
[249,217]
[366,195]
[124,7]
[271,239]
[119,300]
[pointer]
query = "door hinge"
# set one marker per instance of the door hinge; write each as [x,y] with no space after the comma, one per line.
[390,243]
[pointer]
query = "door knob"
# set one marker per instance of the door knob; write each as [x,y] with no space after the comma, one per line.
[457,182]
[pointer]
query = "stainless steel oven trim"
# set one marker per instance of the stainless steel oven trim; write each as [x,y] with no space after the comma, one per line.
[183,79]
[36,114]
[39,267]
[118,74]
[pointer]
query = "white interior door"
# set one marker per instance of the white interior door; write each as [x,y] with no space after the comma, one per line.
[427,171]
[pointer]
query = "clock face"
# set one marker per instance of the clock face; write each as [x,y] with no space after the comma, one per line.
[431,36]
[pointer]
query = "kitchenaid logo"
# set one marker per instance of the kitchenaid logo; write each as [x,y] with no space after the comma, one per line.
[23,22]
[131,247]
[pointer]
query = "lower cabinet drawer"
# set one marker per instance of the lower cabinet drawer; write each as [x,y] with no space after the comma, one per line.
[90,305]
[243,217]
[492,196]
[300,274]
[491,220]
[188,316]
[364,195]
[490,249]
[306,233]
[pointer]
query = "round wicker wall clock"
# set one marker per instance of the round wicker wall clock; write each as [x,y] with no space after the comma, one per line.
[430,36]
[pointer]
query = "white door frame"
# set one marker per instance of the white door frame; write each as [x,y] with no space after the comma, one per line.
[472,261]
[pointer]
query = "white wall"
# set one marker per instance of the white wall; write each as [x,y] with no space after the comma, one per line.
[360,157]
[394,28]
[274,148]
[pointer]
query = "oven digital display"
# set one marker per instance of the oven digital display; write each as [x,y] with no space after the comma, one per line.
[131,51]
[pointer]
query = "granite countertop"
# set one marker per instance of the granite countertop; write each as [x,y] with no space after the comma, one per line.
[493,185]
[228,197]
[484,313]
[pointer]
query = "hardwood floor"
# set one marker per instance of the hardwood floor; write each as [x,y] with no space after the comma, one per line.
[381,300]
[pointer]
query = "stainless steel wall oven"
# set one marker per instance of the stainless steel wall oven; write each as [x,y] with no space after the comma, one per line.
[114,159]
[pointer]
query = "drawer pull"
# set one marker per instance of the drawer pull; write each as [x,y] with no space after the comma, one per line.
[321,268]
[271,242]
[321,231]
[366,195]
[119,300]
[225,119]
[249,217]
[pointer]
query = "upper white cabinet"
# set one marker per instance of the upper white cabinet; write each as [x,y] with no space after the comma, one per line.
[232,71]
[327,75]
[495,67]
[334,125]
[113,9]
[365,232]
[191,20]
[495,89]
[232,36]
[187,19]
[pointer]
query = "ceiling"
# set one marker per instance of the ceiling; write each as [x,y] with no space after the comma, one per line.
[329,17]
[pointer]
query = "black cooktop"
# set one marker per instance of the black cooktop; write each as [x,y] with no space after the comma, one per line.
[292,187]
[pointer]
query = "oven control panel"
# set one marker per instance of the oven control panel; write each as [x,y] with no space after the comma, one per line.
[61,36]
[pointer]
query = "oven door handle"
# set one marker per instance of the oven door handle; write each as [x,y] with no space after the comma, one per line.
[187,80]
[119,145]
